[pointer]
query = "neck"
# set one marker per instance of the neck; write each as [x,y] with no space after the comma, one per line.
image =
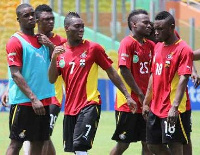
[48,34]
[173,39]
[139,38]
[29,32]
[73,43]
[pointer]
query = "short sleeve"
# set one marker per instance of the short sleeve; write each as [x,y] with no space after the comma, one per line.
[124,53]
[14,52]
[186,61]
[101,58]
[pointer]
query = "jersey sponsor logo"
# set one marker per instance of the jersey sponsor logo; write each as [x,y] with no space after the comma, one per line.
[62,63]
[40,56]
[22,134]
[188,68]
[135,58]
[11,59]
[84,54]
[82,62]
[122,136]
[170,56]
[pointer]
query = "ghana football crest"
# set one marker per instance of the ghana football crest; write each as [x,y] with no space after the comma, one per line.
[83,56]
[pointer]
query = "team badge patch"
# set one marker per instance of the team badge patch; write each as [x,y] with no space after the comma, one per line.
[135,58]
[62,63]
[82,62]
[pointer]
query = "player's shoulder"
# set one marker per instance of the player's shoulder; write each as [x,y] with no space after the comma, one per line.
[56,36]
[128,40]
[150,42]
[92,45]
[13,40]
[183,45]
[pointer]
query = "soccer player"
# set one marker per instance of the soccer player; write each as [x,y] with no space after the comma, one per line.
[78,64]
[29,89]
[168,123]
[45,22]
[134,61]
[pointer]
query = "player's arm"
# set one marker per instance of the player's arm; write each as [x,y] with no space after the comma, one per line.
[4,97]
[148,98]
[128,77]
[114,77]
[196,55]
[173,112]
[194,76]
[22,84]
[53,70]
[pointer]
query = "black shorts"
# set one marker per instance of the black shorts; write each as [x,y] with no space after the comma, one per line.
[129,127]
[54,110]
[26,125]
[158,130]
[79,130]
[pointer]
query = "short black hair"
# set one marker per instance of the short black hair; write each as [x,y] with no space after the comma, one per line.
[133,13]
[20,7]
[42,8]
[69,16]
[164,15]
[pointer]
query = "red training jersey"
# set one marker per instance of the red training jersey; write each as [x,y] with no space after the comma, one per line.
[14,51]
[79,69]
[169,63]
[137,58]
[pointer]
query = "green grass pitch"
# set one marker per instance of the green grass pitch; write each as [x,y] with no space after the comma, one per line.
[102,143]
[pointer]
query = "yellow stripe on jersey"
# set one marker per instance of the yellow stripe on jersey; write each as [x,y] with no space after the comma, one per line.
[13,117]
[59,89]
[121,100]
[91,85]
[174,85]
[118,117]
[183,130]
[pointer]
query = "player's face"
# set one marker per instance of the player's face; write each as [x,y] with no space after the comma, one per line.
[142,25]
[27,18]
[162,30]
[76,29]
[46,21]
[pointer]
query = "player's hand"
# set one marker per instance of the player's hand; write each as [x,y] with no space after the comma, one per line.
[132,104]
[172,116]
[145,111]
[38,107]
[43,39]
[4,99]
[195,79]
[57,51]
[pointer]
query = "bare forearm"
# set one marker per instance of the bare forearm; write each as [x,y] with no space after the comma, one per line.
[114,77]
[53,71]
[23,86]
[149,93]
[128,77]
[196,54]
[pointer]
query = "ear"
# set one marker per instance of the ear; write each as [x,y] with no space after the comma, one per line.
[133,24]
[66,28]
